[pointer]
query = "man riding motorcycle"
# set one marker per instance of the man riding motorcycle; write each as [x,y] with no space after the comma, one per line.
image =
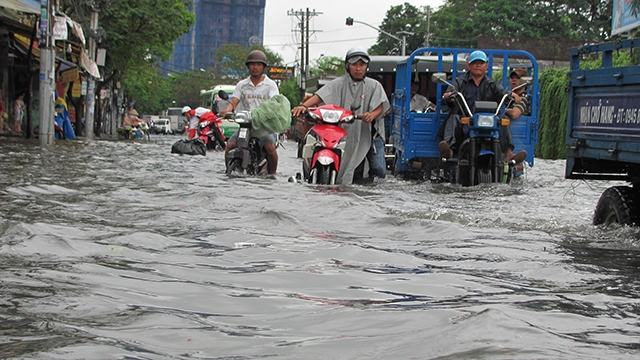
[249,94]
[366,98]
[474,85]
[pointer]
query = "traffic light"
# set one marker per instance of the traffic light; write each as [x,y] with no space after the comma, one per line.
[349,21]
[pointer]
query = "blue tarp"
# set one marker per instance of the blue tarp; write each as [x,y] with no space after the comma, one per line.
[64,122]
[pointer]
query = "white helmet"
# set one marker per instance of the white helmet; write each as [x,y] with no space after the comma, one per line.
[201,111]
[354,55]
[186,109]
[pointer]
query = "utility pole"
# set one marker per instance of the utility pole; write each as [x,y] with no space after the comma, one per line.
[303,69]
[304,17]
[90,105]
[428,24]
[46,74]
[306,58]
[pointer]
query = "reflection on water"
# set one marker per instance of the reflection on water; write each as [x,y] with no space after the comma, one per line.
[123,250]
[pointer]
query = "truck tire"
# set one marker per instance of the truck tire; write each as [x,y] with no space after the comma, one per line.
[617,204]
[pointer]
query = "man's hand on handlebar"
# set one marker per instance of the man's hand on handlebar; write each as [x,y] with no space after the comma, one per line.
[298,110]
[517,98]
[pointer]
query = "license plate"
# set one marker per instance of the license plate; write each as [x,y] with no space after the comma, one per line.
[243,134]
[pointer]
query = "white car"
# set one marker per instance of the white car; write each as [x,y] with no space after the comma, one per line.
[163,126]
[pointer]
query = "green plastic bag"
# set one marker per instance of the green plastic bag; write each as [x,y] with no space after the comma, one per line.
[273,115]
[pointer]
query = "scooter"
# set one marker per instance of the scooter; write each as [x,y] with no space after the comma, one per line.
[324,144]
[210,132]
[248,156]
[479,159]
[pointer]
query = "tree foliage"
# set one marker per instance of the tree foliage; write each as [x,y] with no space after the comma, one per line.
[230,60]
[135,33]
[186,86]
[458,23]
[327,66]
[405,17]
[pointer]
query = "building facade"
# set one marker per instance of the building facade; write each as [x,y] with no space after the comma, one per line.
[217,22]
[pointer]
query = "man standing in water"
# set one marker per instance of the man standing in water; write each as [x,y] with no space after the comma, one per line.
[365,97]
[248,95]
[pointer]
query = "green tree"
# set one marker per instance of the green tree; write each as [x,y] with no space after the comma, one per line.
[135,33]
[327,66]
[458,23]
[405,17]
[230,60]
[186,86]
[291,90]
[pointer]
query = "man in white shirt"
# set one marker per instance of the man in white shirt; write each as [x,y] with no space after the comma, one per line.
[249,94]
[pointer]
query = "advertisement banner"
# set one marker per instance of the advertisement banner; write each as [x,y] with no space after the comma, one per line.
[622,19]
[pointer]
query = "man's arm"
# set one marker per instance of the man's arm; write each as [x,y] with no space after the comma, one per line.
[370,116]
[312,101]
[232,105]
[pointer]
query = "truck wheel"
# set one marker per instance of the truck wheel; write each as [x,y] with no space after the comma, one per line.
[616,205]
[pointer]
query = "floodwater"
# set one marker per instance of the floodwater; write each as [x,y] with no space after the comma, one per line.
[119,250]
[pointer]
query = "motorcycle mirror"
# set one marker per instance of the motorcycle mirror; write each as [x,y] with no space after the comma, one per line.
[439,77]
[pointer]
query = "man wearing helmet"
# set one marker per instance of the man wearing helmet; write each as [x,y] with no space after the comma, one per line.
[249,94]
[366,98]
[191,120]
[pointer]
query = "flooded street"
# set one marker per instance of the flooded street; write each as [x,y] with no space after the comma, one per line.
[118,250]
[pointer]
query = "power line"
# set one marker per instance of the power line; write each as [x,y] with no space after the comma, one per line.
[304,16]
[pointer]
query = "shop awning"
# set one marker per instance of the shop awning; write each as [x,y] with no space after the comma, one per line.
[27,6]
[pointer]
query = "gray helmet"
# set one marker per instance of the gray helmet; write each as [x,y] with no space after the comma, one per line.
[256,56]
[354,55]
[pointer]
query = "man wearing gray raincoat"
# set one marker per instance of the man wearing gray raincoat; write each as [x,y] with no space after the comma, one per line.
[365,97]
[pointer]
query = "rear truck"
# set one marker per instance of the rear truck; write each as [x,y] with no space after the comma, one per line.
[414,134]
[603,129]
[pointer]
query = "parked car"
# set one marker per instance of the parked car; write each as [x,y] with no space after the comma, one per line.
[163,126]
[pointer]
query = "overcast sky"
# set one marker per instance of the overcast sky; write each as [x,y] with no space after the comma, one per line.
[335,37]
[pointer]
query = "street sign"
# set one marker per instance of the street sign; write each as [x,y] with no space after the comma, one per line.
[281,72]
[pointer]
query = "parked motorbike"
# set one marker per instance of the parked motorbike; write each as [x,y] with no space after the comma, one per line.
[248,156]
[479,159]
[324,144]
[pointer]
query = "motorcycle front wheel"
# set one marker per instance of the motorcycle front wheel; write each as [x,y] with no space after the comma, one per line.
[234,166]
[323,174]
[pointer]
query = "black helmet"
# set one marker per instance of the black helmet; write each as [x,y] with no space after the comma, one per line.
[354,55]
[256,56]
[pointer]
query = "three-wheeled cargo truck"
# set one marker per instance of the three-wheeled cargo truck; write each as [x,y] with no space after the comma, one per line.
[603,129]
[414,133]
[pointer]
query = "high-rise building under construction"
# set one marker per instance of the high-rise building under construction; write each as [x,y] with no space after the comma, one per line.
[217,22]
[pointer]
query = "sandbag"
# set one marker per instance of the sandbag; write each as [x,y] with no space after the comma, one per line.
[189,147]
[273,115]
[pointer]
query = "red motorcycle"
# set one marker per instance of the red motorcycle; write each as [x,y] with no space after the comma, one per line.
[210,130]
[324,143]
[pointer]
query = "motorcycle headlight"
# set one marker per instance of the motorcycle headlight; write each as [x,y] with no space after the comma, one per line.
[485,121]
[331,116]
